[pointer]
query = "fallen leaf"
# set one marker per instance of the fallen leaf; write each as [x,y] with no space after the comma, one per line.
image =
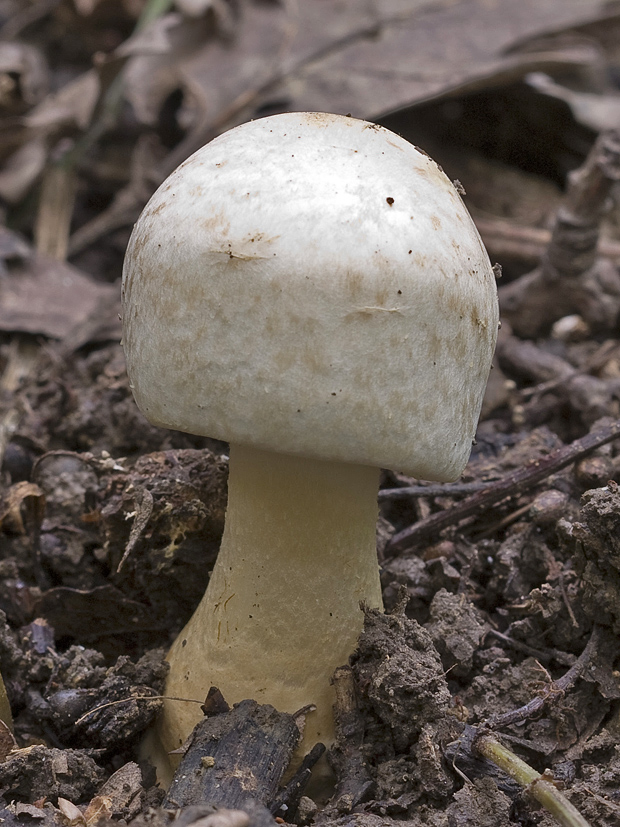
[22,169]
[351,56]
[598,111]
[49,297]
[72,814]
[27,810]
[21,497]
[100,807]
[12,246]
[122,790]
[72,105]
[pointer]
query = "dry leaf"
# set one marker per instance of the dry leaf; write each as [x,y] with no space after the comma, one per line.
[100,807]
[22,169]
[123,790]
[30,810]
[73,105]
[20,497]
[86,7]
[194,8]
[224,818]
[50,297]
[155,70]
[354,56]
[72,814]
[12,246]
[598,111]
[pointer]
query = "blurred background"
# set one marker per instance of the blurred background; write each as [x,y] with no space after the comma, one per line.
[101,99]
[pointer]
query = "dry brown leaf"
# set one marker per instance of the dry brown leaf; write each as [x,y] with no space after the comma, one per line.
[154,72]
[122,791]
[73,105]
[72,814]
[353,56]
[30,810]
[12,246]
[21,496]
[100,807]
[153,39]
[86,7]
[224,818]
[598,111]
[22,169]
[53,298]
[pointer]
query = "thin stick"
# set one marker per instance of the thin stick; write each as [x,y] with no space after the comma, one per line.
[95,709]
[440,490]
[555,687]
[511,485]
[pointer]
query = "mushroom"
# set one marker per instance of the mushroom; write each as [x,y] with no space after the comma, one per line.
[310,288]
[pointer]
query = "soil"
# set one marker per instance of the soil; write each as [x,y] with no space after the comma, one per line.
[109,527]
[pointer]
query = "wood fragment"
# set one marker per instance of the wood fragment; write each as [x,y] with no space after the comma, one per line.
[286,804]
[571,279]
[354,784]
[236,759]
[509,486]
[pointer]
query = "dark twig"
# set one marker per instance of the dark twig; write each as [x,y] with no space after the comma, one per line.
[555,688]
[288,798]
[453,489]
[513,484]
[544,656]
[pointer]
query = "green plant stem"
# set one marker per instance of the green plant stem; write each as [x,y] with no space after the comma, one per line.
[536,784]
[5,707]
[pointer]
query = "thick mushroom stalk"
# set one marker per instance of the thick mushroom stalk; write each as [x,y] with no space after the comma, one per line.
[311,286]
[282,610]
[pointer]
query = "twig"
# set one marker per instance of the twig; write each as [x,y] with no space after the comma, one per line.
[453,489]
[543,656]
[510,486]
[509,240]
[55,210]
[555,687]
[133,698]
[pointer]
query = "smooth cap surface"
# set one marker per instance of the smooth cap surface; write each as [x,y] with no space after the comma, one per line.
[313,284]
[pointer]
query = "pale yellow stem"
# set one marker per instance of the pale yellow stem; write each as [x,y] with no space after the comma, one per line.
[282,609]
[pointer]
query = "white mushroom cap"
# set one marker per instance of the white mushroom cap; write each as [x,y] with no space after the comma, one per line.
[312,284]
